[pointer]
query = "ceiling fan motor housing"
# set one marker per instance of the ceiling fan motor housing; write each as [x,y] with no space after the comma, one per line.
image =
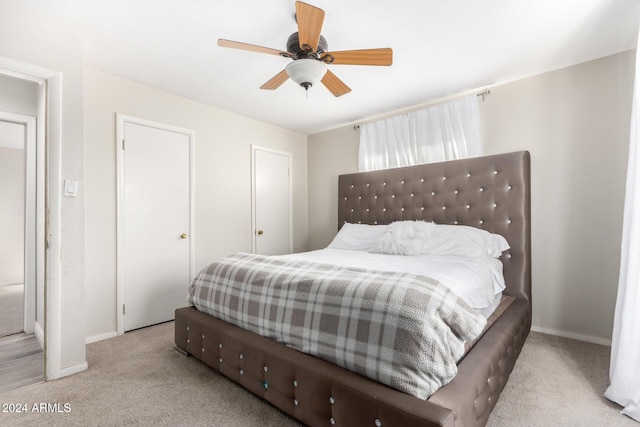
[293,46]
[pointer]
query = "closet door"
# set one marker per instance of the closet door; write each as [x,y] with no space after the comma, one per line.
[156,224]
[272,202]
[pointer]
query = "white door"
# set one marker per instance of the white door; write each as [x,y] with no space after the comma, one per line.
[155,222]
[272,202]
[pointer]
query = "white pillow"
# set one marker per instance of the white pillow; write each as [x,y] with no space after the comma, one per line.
[420,237]
[404,238]
[465,241]
[498,245]
[357,237]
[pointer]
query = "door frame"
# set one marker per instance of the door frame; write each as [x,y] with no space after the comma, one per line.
[254,228]
[121,119]
[49,141]
[33,229]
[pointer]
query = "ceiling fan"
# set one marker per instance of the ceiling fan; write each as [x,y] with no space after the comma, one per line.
[308,50]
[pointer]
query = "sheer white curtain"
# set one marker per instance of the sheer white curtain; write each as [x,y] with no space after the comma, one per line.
[624,371]
[447,131]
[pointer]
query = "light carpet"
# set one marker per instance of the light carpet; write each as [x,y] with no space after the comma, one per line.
[138,379]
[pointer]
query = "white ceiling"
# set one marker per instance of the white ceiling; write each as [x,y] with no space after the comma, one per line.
[440,48]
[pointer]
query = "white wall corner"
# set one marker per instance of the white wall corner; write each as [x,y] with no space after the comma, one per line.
[39,333]
[65,372]
[100,337]
[579,337]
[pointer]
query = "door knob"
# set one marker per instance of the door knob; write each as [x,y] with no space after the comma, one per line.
[183,236]
[260,232]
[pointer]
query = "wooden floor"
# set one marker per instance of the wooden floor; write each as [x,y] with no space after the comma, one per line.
[21,361]
[11,309]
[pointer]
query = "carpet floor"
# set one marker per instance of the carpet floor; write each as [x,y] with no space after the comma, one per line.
[138,379]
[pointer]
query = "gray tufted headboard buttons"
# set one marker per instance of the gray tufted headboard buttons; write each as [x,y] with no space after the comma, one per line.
[492,193]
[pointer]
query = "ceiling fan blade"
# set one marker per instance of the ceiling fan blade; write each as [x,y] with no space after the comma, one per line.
[383,56]
[334,84]
[310,19]
[276,81]
[251,47]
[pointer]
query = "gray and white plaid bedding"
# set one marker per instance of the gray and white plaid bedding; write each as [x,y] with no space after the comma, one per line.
[403,330]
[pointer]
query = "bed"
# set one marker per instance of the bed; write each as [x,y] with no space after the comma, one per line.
[491,193]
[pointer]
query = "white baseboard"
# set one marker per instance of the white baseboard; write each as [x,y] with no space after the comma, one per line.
[100,337]
[65,372]
[579,337]
[73,369]
[39,333]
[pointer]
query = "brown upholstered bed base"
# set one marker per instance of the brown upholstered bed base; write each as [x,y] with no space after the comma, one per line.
[317,392]
[490,193]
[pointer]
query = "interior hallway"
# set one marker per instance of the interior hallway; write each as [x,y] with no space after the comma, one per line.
[21,356]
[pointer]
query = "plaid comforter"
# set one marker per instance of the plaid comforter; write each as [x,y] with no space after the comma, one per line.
[403,330]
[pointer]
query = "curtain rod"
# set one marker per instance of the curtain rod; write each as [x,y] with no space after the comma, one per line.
[486,91]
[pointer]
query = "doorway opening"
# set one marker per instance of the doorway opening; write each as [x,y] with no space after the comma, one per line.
[22,225]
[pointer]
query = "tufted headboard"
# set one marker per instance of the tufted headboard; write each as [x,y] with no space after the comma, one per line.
[492,193]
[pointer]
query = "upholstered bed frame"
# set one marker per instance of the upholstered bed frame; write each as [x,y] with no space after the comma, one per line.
[487,192]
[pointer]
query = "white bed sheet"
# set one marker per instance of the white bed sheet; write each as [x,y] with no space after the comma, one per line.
[478,281]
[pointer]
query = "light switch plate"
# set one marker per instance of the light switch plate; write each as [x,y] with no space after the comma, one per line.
[70,188]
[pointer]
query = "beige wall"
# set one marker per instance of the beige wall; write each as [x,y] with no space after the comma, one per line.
[575,123]
[330,154]
[44,47]
[223,180]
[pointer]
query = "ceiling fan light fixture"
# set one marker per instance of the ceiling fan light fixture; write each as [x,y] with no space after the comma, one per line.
[306,72]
